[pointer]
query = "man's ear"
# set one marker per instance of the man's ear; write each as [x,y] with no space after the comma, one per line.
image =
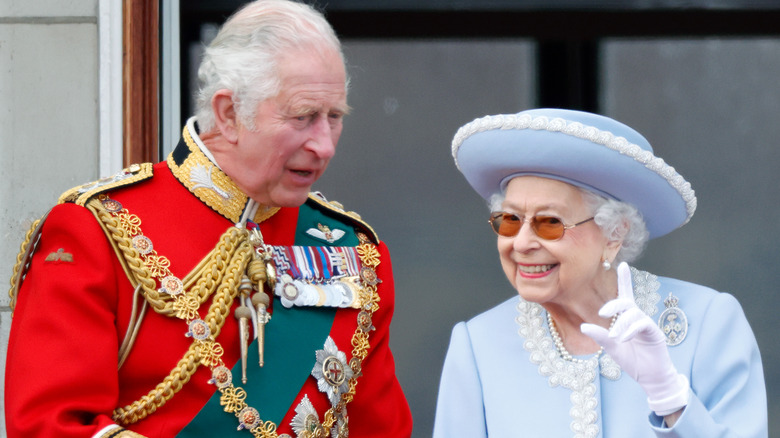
[225,117]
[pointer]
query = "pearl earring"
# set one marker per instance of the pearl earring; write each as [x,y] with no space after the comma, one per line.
[607,265]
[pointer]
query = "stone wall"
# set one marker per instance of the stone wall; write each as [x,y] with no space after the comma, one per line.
[48,119]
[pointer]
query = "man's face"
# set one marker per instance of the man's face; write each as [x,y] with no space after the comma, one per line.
[295,133]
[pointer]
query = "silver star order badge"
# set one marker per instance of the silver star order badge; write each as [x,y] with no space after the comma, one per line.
[332,371]
[306,420]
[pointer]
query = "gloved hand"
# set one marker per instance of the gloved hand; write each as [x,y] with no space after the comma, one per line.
[638,345]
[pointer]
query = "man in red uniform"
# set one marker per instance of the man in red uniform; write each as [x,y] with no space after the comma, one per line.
[212,294]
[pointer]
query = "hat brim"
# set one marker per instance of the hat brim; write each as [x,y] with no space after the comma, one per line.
[600,161]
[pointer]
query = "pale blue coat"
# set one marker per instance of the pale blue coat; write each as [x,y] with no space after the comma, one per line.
[491,387]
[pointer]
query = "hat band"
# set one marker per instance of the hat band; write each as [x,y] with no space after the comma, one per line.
[505,182]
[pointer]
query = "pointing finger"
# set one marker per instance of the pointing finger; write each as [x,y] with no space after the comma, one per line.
[625,290]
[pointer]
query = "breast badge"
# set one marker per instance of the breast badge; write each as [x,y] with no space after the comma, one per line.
[673,322]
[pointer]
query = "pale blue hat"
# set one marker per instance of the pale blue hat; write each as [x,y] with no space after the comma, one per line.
[583,149]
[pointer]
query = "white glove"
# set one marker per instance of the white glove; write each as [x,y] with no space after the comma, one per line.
[638,345]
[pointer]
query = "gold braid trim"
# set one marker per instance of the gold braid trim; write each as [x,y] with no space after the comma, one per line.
[219,273]
[179,376]
[369,256]
[126,254]
[207,182]
[201,281]
[337,208]
[23,259]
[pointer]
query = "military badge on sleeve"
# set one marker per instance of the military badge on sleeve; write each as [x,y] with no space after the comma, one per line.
[60,256]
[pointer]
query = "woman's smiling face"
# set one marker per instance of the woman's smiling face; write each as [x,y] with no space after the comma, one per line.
[544,271]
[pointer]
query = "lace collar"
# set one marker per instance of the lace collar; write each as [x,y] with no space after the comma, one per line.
[193,165]
[579,377]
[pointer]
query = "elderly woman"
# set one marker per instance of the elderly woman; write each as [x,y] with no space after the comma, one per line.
[591,347]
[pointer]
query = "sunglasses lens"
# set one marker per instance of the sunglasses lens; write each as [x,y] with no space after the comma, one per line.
[506,224]
[547,227]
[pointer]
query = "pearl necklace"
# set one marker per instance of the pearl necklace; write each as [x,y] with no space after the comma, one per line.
[565,355]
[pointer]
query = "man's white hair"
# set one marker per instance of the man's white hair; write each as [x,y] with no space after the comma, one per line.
[243,56]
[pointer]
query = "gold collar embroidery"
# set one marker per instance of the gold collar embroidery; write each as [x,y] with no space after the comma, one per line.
[209,184]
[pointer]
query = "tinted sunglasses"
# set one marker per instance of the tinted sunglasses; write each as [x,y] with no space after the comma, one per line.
[546,227]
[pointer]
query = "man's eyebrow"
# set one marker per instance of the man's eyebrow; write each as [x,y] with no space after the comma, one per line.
[302,109]
[343,110]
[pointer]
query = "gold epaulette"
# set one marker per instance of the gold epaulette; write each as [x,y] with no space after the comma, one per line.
[82,194]
[348,216]
[79,195]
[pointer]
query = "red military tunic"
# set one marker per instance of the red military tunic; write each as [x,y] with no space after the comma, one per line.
[75,304]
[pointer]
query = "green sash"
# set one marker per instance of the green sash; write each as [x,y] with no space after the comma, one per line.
[291,339]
